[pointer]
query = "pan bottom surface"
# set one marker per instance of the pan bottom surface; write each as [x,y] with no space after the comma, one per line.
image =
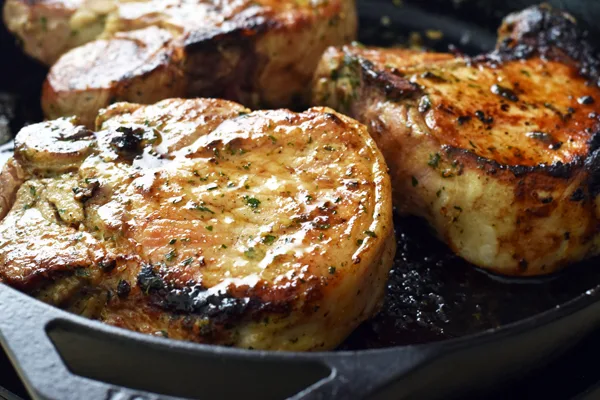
[433,295]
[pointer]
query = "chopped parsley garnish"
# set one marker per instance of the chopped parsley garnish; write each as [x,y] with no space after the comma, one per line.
[434,160]
[252,202]
[203,208]
[269,239]
[250,253]
[424,104]
[370,234]
[81,272]
[170,256]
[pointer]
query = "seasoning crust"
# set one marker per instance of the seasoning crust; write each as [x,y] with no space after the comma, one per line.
[203,221]
[500,152]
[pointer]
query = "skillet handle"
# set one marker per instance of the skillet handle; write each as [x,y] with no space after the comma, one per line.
[363,375]
[25,324]
[23,336]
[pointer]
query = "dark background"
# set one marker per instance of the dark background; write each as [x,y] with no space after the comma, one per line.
[571,374]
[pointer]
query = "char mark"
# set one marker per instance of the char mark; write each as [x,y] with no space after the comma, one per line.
[128,142]
[589,164]
[578,195]
[395,87]
[556,170]
[204,51]
[193,298]
[549,33]
[592,164]
[336,120]
[246,25]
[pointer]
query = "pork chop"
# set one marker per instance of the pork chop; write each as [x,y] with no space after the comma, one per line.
[501,152]
[203,221]
[260,53]
[49,28]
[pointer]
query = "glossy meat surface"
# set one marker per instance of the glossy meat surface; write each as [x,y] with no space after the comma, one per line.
[49,28]
[201,221]
[260,53]
[500,153]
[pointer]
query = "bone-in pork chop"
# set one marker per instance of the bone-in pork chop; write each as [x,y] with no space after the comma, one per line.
[501,152]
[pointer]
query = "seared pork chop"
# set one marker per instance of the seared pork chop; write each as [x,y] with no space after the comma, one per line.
[500,153]
[260,53]
[203,221]
[49,28]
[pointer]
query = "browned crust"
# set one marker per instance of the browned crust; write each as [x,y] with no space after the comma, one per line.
[537,31]
[377,86]
[146,69]
[248,57]
[548,33]
[11,178]
[103,270]
[159,289]
[212,74]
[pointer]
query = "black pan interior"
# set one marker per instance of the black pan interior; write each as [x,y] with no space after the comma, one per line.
[431,295]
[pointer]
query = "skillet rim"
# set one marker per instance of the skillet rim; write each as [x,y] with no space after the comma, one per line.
[579,303]
[432,350]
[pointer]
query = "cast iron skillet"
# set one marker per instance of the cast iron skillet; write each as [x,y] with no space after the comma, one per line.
[445,327]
